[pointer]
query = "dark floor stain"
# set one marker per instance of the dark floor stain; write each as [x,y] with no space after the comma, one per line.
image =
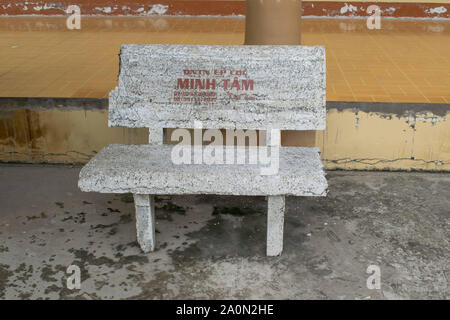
[171,207]
[113,231]
[41,216]
[5,274]
[79,218]
[126,218]
[86,258]
[234,211]
[48,272]
[127,198]
[224,237]
[24,295]
[104,226]
[60,204]
[23,272]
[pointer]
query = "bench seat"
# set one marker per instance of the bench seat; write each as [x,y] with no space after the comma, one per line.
[148,169]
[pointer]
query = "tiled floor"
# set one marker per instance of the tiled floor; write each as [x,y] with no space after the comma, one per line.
[405,61]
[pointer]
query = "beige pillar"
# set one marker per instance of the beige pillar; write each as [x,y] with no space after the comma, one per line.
[273,22]
[277,22]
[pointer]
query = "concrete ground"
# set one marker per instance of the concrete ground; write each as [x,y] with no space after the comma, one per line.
[213,247]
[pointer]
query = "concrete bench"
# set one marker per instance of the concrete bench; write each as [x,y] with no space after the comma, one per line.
[266,88]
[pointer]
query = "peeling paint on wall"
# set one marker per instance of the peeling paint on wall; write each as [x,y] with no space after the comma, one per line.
[158,9]
[104,9]
[348,8]
[437,10]
[390,10]
[430,118]
[223,8]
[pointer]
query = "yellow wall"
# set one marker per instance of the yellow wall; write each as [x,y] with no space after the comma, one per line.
[362,140]
[374,141]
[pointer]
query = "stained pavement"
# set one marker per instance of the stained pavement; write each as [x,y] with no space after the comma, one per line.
[213,247]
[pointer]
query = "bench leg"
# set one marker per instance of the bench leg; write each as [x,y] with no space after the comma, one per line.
[275,225]
[145,221]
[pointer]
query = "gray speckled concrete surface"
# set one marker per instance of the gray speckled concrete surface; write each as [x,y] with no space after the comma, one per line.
[147,169]
[214,246]
[287,88]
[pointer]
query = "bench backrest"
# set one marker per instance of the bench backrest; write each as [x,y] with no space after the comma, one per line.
[229,87]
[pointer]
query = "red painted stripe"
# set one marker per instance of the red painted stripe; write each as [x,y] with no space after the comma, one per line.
[217,8]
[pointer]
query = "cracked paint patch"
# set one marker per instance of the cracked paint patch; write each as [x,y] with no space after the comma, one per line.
[431,119]
[437,10]
[157,9]
[53,6]
[104,9]
[390,10]
[348,8]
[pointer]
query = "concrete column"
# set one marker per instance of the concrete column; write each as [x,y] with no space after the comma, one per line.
[275,225]
[145,221]
[273,22]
